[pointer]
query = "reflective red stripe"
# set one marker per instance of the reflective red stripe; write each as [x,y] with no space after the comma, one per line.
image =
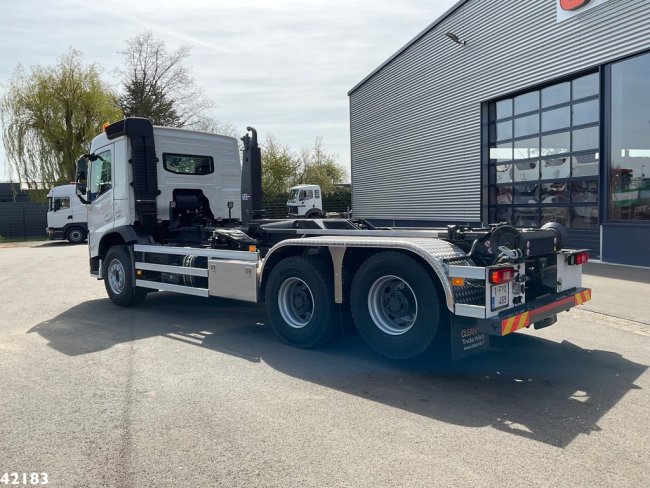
[524,319]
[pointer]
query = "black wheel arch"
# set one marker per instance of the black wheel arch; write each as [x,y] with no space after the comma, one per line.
[120,236]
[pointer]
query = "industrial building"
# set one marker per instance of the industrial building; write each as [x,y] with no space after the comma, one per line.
[522,111]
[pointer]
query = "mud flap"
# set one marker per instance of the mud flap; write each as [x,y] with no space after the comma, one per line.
[466,339]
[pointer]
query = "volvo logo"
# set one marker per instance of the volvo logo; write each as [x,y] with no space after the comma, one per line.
[571,5]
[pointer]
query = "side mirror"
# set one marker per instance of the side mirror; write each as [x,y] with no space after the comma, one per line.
[81,180]
[57,205]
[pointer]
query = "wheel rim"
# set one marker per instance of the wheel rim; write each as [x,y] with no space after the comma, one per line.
[296,303]
[75,235]
[392,305]
[116,276]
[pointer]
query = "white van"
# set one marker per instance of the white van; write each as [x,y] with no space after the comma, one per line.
[67,217]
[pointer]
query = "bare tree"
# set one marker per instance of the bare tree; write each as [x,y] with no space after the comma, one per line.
[211,124]
[158,85]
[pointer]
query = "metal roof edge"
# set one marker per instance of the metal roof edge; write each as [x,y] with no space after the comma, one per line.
[421,34]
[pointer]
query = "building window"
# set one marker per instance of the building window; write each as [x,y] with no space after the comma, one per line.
[629,167]
[544,156]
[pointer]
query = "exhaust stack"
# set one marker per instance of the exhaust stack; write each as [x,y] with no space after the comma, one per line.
[251,178]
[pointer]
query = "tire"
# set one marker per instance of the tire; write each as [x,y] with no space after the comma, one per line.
[118,278]
[395,305]
[300,302]
[314,214]
[75,235]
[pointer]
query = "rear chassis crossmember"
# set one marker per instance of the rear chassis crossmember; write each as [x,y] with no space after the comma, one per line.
[533,312]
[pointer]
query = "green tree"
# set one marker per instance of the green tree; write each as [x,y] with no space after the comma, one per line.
[159,86]
[49,115]
[320,167]
[280,167]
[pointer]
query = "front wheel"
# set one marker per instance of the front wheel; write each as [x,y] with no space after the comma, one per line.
[75,235]
[395,305]
[300,302]
[118,278]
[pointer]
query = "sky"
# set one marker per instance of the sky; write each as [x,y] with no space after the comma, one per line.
[281,66]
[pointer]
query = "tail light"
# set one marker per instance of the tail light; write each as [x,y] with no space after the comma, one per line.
[581,257]
[499,276]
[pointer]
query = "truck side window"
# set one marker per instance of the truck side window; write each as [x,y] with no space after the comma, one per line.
[101,178]
[187,164]
[63,202]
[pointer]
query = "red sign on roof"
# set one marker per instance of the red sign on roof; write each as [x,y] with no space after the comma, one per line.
[571,5]
[567,9]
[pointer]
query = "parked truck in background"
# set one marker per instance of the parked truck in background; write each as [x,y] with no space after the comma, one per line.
[305,201]
[67,217]
[167,212]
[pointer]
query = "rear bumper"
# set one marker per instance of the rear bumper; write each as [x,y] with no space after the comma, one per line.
[530,313]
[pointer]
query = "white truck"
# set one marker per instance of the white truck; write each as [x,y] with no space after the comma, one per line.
[305,201]
[66,216]
[167,212]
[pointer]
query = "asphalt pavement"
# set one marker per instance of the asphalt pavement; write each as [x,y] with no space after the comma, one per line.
[620,291]
[184,391]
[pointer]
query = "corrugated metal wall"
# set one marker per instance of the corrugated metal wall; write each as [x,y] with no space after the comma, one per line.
[23,221]
[415,124]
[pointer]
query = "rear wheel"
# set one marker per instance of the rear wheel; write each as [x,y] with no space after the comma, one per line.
[118,278]
[75,235]
[395,305]
[300,303]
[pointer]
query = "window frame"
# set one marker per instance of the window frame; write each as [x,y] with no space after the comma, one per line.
[491,141]
[182,155]
[607,146]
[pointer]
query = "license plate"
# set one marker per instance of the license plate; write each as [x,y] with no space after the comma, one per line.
[499,296]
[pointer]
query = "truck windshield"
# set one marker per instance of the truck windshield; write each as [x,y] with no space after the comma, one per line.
[293,196]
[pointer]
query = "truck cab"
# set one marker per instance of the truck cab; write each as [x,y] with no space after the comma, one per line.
[305,201]
[166,184]
[67,217]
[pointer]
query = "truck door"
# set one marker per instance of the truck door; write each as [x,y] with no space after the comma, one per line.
[100,184]
[59,213]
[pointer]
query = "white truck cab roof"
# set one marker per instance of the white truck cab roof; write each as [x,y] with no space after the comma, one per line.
[62,191]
